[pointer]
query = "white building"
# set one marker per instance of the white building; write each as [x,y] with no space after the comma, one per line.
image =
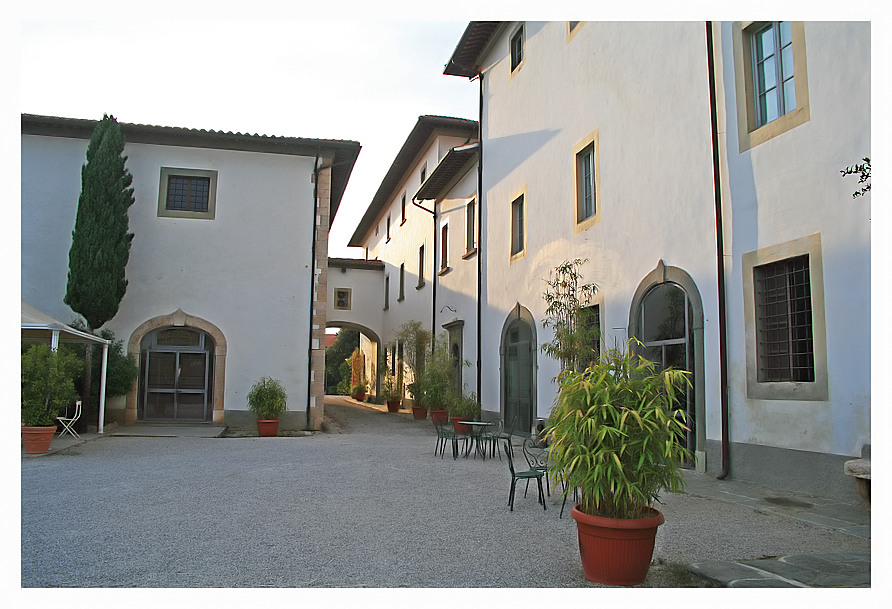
[696,169]
[417,226]
[219,295]
[598,143]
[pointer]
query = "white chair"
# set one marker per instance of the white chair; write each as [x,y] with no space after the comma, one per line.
[68,422]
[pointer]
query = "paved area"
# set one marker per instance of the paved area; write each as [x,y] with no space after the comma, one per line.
[368,505]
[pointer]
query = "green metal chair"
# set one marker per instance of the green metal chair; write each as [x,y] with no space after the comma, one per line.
[446,433]
[527,475]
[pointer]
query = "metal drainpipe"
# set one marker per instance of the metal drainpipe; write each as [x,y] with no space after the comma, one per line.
[435,273]
[720,254]
[479,233]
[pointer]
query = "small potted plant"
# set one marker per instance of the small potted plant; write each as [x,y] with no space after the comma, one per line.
[419,407]
[616,433]
[463,408]
[390,392]
[47,388]
[437,383]
[267,399]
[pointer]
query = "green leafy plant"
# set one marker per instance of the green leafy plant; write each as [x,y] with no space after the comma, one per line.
[437,383]
[616,433]
[122,370]
[267,399]
[465,406]
[360,388]
[47,384]
[568,313]
[862,170]
[390,391]
[415,340]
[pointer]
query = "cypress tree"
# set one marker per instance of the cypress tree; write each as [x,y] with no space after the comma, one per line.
[100,242]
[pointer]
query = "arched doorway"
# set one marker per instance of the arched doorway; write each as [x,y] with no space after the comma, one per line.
[214,345]
[667,316]
[176,375]
[518,369]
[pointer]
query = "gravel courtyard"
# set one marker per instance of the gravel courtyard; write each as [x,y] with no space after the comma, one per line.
[364,505]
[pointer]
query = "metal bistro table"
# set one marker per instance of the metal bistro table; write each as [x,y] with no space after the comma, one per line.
[476,428]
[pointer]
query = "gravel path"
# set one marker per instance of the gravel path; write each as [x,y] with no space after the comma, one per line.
[365,505]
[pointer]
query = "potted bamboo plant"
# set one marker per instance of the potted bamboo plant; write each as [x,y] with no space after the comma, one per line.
[390,392]
[47,388]
[267,399]
[616,433]
[463,408]
[437,383]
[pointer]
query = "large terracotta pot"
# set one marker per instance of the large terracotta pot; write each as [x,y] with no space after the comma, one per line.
[419,413]
[393,406]
[37,440]
[267,428]
[459,428]
[441,416]
[616,551]
[359,397]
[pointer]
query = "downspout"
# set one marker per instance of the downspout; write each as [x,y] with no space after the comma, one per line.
[435,271]
[480,248]
[720,253]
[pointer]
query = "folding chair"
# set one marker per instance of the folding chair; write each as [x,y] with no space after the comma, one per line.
[68,422]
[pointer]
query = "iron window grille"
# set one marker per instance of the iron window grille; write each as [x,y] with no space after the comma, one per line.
[785,348]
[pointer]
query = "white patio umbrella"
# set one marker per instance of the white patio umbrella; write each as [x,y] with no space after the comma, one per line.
[41,327]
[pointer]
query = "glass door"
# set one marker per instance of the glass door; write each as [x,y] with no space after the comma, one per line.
[519,379]
[177,376]
[666,324]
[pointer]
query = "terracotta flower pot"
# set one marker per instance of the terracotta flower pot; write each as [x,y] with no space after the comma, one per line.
[37,440]
[440,416]
[616,551]
[359,397]
[419,413]
[459,428]
[267,428]
[393,405]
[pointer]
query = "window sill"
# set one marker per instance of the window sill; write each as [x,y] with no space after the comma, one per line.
[420,285]
[401,299]
[469,254]
[444,270]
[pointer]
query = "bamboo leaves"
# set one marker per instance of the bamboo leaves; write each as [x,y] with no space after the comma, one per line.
[616,433]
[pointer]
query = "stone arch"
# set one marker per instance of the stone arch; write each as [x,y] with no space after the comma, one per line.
[179,319]
[372,336]
[663,274]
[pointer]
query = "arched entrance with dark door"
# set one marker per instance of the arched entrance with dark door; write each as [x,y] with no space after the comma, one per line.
[667,317]
[517,350]
[182,370]
[176,375]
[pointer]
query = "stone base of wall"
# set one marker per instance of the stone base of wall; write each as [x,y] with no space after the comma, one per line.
[780,469]
[245,420]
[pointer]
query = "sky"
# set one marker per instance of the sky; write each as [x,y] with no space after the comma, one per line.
[354,80]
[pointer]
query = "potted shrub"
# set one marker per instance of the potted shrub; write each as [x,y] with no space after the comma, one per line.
[267,400]
[438,381]
[616,434]
[47,388]
[415,340]
[463,408]
[390,392]
[419,409]
[358,391]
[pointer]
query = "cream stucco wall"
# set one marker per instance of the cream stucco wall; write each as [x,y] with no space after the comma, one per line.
[247,271]
[648,104]
[788,189]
